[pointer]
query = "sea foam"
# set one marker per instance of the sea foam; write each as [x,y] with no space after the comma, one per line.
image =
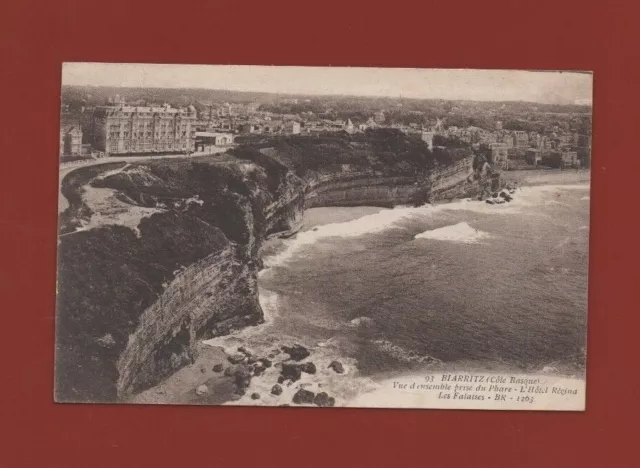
[377,222]
[372,223]
[460,232]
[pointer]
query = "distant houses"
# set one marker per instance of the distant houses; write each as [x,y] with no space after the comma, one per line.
[121,128]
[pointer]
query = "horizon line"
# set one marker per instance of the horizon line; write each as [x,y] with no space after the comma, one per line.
[327,95]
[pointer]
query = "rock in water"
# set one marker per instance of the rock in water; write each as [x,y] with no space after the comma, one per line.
[201,390]
[242,378]
[308,367]
[337,367]
[296,352]
[255,396]
[265,362]
[276,390]
[323,399]
[236,358]
[258,369]
[303,397]
[506,196]
[218,368]
[290,372]
[281,379]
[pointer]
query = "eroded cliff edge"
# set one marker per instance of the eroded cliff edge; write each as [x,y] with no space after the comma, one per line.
[157,255]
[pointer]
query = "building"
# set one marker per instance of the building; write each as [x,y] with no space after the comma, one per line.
[533,156]
[212,142]
[379,117]
[438,126]
[348,126]
[116,100]
[506,138]
[584,141]
[486,138]
[123,129]
[70,140]
[546,143]
[291,127]
[564,140]
[535,139]
[248,127]
[520,139]
[500,155]
[561,159]
[427,137]
[271,126]
[570,159]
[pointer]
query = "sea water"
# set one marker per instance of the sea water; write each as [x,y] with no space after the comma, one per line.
[459,286]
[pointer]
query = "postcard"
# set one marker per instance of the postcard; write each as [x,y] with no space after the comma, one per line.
[323,236]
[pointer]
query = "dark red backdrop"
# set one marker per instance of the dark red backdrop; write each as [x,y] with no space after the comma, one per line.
[35,37]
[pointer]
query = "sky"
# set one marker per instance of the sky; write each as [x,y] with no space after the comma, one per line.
[464,84]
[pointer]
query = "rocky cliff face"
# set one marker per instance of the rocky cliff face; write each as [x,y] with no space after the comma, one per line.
[132,306]
[210,297]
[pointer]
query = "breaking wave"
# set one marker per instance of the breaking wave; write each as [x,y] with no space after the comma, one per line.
[460,232]
[376,222]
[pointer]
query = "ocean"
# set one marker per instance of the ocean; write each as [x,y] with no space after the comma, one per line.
[456,286]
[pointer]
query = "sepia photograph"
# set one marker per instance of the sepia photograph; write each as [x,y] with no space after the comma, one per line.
[323,236]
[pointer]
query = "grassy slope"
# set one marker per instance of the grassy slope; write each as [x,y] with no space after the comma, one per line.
[108,276]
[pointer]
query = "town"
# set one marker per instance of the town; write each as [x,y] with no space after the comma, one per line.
[98,122]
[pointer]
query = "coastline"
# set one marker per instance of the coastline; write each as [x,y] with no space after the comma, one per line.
[183,386]
[535,177]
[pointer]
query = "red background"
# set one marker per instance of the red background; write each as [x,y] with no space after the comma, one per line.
[35,37]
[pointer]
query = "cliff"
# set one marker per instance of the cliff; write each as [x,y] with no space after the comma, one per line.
[158,255]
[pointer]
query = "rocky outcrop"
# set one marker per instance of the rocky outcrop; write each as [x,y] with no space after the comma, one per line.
[132,306]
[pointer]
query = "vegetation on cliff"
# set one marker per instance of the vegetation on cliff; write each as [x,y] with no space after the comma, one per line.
[106,278]
[386,150]
[109,276]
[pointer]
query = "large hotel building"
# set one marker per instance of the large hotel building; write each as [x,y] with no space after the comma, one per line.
[122,129]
